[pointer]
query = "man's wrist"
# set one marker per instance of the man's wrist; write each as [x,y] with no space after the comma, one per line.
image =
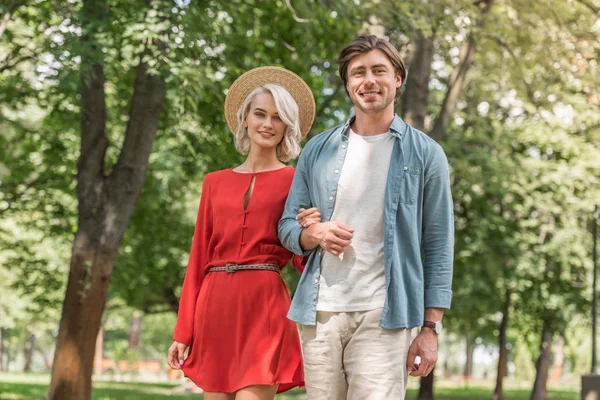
[434,326]
[426,329]
[308,237]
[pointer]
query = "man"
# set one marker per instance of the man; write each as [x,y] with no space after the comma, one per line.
[383,190]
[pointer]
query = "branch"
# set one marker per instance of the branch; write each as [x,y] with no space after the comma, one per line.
[506,47]
[144,112]
[94,141]
[594,9]
[458,79]
[288,3]
[7,61]
[127,177]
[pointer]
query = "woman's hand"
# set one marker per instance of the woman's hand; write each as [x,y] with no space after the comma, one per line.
[175,355]
[308,217]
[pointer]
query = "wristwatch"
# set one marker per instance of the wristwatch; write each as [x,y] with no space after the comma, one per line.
[436,326]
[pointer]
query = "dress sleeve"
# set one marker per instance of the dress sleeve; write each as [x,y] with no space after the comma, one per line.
[300,262]
[195,272]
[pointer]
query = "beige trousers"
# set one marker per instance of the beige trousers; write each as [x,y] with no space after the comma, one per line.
[348,356]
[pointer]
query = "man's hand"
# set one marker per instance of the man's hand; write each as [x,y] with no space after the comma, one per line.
[332,236]
[175,355]
[424,346]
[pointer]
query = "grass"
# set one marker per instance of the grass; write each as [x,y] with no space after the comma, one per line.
[34,387]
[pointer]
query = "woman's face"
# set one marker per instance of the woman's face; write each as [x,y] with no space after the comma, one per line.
[265,127]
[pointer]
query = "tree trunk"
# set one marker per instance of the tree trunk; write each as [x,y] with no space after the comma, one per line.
[99,352]
[502,342]
[135,335]
[559,359]
[446,367]
[416,95]
[458,79]
[2,334]
[426,387]
[28,353]
[470,348]
[47,363]
[105,205]
[82,311]
[542,365]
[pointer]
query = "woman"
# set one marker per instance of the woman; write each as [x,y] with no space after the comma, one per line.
[233,305]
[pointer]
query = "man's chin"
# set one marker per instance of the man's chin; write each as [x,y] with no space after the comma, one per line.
[370,108]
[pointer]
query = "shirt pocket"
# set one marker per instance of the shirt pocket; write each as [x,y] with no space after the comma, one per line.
[409,185]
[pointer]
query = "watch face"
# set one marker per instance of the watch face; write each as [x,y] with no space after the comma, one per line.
[438,328]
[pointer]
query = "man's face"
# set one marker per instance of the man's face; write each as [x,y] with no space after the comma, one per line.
[372,82]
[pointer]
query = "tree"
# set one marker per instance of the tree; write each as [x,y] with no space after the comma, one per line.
[106,199]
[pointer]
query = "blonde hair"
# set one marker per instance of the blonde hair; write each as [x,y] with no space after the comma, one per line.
[289,147]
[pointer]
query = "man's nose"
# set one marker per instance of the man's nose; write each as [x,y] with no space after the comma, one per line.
[369,78]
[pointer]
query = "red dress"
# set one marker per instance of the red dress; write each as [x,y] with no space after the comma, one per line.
[235,323]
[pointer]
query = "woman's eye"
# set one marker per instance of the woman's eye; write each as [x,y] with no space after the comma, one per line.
[277,117]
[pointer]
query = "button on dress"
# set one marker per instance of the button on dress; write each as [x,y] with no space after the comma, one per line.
[235,323]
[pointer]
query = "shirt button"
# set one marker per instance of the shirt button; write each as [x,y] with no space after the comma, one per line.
[316,281]
[337,170]
[245,211]
[244,226]
[243,243]
[330,197]
[343,146]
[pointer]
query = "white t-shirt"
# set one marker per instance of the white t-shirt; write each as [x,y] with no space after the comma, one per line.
[355,281]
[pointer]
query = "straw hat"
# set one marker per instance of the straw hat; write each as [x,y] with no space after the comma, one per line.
[250,80]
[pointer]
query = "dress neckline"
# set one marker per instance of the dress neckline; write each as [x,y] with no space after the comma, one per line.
[259,172]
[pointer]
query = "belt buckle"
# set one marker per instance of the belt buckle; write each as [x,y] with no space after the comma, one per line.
[231,268]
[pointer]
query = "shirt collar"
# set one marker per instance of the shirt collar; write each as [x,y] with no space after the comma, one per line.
[397,127]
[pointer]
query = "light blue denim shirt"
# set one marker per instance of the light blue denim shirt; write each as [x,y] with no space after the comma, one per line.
[418,223]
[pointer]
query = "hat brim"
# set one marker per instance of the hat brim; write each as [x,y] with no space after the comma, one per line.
[250,80]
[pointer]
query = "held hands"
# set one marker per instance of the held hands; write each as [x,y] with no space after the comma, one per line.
[335,237]
[175,356]
[308,217]
[331,236]
[424,346]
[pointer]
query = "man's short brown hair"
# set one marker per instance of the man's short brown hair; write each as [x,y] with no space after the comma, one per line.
[364,44]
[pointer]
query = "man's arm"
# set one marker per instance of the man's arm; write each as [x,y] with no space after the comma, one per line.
[438,250]
[299,197]
[438,232]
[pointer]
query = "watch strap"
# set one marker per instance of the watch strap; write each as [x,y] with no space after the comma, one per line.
[429,324]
